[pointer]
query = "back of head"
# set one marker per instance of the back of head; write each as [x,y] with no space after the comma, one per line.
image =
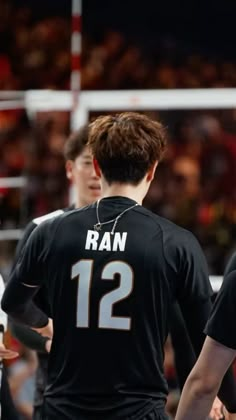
[126,146]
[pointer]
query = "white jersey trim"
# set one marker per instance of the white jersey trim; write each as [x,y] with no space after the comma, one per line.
[3,315]
[48,216]
[29,285]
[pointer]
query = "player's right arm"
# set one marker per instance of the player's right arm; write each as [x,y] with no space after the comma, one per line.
[194,293]
[218,353]
[26,279]
[30,338]
[204,381]
[24,334]
[22,242]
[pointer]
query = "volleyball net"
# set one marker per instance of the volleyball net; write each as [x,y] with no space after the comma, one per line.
[92,103]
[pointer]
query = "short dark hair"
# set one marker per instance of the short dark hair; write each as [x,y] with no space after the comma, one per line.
[126,145]
[76,143]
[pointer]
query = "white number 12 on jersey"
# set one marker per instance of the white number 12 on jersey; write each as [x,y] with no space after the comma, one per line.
[83,270]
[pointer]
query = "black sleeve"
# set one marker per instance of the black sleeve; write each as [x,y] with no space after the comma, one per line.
[196,315]
[189,281]
[231,265]
[186,265]
[40,298]
[17,302]
[193,289]
[22,242]
[182,345]
[193,282]
[221,326]
[28,337]
[25,280]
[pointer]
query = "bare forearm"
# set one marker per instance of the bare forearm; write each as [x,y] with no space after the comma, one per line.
[194,404]
[204,382]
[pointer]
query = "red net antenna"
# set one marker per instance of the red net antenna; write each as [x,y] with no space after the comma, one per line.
[76,47]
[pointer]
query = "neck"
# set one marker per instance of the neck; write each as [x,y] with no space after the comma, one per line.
[79,203]
[136,193]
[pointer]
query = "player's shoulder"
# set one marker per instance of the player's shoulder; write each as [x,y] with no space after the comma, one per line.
[43,229]
[50,219]
[175,238]
[166,225]
[55,219]
[35,223]
[38,220]
[81,211]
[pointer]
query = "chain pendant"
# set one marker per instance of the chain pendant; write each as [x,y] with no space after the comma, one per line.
[97,227]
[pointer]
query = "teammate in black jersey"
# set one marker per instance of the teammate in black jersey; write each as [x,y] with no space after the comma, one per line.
[219,351]
[80,171]
[111,271]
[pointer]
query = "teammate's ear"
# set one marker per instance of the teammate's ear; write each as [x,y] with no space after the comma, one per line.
[69,169]
[151,172]
[97,168]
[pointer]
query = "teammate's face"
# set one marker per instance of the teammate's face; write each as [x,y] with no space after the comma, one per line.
[81,173]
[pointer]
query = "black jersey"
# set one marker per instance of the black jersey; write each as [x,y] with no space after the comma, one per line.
[110,297]
[221,326]
[231,265]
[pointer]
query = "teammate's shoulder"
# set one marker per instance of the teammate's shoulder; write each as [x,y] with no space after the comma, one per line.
[47,223]
[79,210]
[38,220]
[57,217]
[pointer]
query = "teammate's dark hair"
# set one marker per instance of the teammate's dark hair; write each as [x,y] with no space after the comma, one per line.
[76,143]
[126,145]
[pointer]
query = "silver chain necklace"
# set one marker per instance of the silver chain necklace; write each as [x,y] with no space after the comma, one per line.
[99,224]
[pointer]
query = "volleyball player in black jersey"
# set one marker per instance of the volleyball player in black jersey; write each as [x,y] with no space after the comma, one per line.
[112,271]
[218,353]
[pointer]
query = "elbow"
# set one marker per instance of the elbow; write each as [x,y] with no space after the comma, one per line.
[202,386]
[6,304]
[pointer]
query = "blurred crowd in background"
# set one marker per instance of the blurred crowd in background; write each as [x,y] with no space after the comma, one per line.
[194,185]
[35,54]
